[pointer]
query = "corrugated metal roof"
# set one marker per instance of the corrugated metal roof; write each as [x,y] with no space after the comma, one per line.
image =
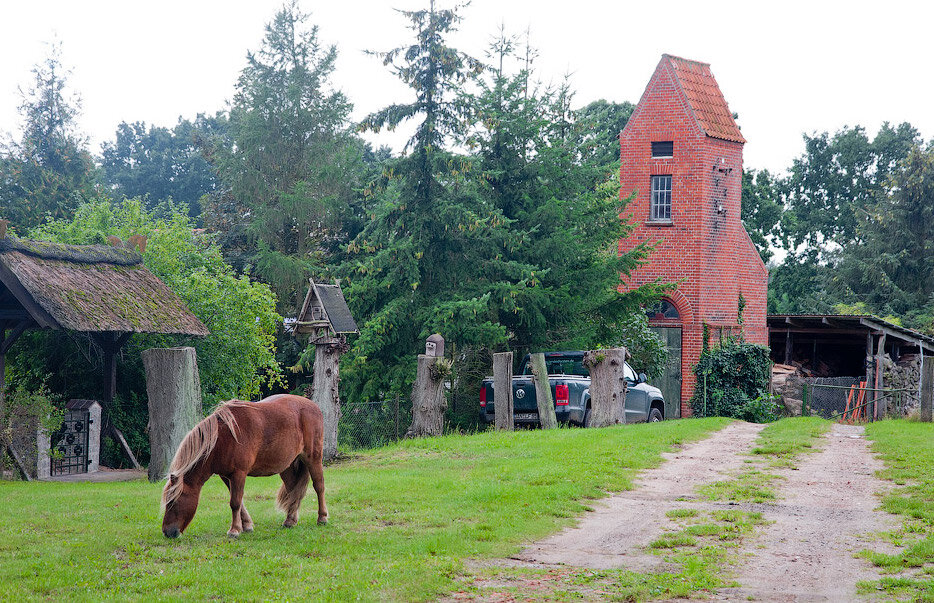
[705,98]
[91,289]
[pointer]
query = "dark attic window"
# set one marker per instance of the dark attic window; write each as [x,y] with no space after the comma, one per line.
[664,148]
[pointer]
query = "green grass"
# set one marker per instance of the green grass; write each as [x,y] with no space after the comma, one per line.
[778,445]
[403,519]
[908,451]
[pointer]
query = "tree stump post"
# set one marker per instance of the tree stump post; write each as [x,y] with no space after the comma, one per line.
[927,390]
[428,401]
[503,410]
[173,390]
[607,386]
[324,385]
[543,397]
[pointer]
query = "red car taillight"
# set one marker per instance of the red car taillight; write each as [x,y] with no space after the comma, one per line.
[482,396]
[562,395]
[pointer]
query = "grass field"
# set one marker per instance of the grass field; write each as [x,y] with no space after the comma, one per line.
[908,451]
[403,519]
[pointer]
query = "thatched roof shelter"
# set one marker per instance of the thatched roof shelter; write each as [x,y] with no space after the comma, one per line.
[105,292]
[92,289]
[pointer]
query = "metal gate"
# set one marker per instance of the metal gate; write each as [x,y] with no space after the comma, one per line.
[70,444]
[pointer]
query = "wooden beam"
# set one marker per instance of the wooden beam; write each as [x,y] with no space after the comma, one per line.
[789,343]
[126,447]
[818,331]
[37,312]
[894,334]
[793,322]
[8,340]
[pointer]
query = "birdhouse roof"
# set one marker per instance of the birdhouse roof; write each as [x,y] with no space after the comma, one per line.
[336,312]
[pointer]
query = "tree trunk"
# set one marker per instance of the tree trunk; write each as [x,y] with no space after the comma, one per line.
[927,389]
[546,405]
[428,402]
[325,391]
[502,391]
[174,391]
[607,386]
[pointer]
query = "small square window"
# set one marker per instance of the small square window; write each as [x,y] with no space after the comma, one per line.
[661,199]
[663,149]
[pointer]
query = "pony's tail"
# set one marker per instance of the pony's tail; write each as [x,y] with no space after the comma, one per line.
[290,497]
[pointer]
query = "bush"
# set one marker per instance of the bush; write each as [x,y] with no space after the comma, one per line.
[732,381]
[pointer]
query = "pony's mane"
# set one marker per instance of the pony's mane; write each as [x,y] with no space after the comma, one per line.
[197,445]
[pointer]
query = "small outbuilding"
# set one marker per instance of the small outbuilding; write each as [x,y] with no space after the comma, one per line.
[819,358]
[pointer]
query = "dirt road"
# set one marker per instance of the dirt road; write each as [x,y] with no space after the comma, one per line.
[826,511]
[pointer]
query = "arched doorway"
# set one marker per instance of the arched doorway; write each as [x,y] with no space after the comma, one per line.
[665,321]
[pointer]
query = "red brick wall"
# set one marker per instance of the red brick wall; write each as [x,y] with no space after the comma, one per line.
[705,248]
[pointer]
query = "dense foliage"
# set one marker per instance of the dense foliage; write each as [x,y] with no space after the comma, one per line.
[732,381]
[237,359]
[161,164]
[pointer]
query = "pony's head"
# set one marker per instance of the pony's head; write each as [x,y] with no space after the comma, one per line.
[180,501]
[183,486]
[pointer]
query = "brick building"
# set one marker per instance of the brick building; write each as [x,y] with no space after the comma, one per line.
[682,155]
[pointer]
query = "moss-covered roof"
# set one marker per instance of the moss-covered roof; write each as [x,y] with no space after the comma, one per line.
[91,288]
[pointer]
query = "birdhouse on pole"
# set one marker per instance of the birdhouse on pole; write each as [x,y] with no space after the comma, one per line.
[325,314]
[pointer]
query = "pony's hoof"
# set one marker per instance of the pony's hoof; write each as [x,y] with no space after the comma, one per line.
[289,523]
[233,534]
[322,521]
[247,529]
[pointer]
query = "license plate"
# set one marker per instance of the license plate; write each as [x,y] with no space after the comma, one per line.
[527,415]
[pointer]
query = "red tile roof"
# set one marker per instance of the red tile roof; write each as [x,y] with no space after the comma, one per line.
[705,99]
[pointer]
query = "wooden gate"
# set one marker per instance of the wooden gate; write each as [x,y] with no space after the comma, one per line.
[670,381]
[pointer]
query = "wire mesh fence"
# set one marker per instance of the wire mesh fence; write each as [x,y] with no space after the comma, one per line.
[826,396]
[848,398]
[371,424]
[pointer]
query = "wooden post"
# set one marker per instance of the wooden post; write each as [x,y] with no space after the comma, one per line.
[173,389]
[428,402]
[6,342]
[325,392]
[110,344]
[607,386]
[503,409]
[878,401]
[546,405]
[927,390]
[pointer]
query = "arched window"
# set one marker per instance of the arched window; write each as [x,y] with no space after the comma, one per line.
[663,310]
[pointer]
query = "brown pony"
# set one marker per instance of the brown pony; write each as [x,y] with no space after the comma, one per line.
[282,434]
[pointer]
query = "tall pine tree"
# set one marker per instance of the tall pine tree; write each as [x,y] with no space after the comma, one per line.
[432,257]
[49,172]
[291,163]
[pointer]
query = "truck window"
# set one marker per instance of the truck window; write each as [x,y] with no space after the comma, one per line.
[628,373]
[566,366]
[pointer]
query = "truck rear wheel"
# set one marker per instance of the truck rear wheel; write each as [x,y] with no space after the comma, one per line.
[655,416]
[586,422]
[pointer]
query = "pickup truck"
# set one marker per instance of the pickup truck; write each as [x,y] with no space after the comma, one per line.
[570,388]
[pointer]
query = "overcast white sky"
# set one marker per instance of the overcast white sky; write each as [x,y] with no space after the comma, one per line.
[786,68]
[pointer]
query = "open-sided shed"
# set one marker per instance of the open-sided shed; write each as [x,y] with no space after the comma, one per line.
[866,349]
[105,292]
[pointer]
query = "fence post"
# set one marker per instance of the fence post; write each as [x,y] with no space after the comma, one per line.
[927,391]
[396,399]
[502,391]
[804,402]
